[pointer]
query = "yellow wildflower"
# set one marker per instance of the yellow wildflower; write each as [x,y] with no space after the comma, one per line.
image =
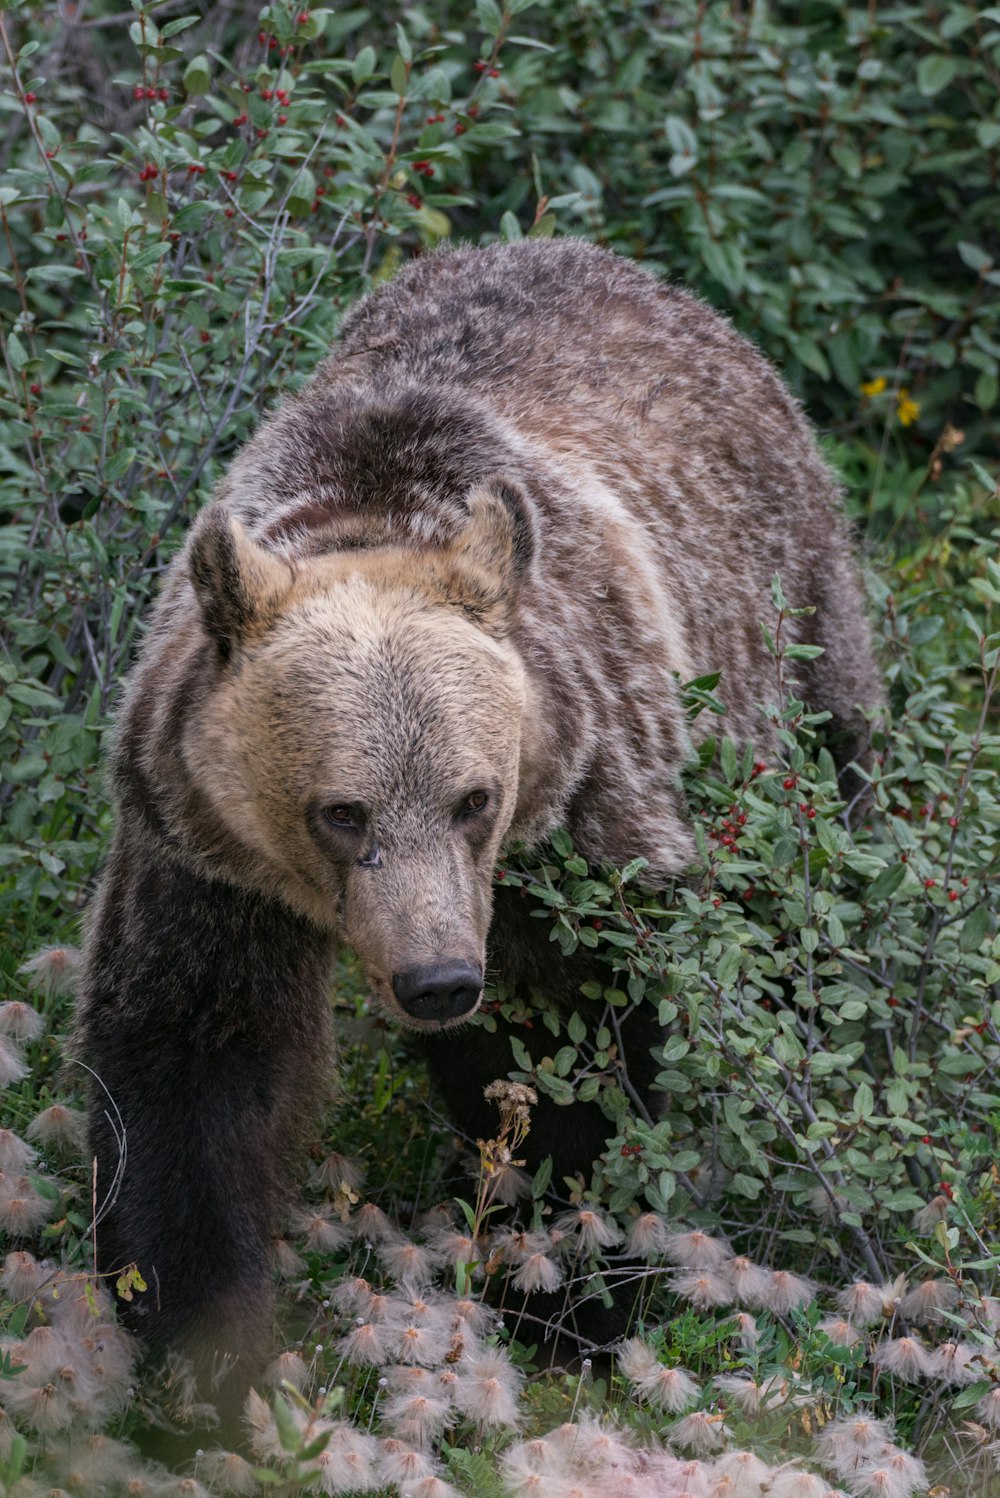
[874,387]
[906,409]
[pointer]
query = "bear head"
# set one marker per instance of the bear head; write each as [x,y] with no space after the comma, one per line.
[367,736]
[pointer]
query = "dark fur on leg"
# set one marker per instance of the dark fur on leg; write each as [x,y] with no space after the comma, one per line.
[204,1019]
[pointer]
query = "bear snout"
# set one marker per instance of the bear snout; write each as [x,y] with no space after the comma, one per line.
[439,991]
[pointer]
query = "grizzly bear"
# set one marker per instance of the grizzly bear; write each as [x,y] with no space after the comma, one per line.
[443,600]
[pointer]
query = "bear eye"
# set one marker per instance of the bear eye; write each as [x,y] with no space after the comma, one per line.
[344,817]
[473,803]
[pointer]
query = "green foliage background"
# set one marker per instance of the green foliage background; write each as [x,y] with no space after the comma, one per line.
[189,202]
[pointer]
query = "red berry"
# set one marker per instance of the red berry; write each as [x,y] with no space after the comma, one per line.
[230,213]
[151,93]
[282,96]
[480,66]
[416,201]
[266,93]
[460,129]
[953,894]
[205,337]
[952,821]
[229,176]
[926,1139]
[929,883]
[262,38]
[273,42]
[717,902]
[472,112]
[597,923]
[282,120]
[35,389]
[240,119]
[303,17]
[893,1003]
[163,93]
[30,98]
[494,72]
[138,92]
[810,814]
[789,782]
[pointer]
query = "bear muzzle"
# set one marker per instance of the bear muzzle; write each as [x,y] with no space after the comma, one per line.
[438,991]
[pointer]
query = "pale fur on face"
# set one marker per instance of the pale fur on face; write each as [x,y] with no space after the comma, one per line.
[364,685]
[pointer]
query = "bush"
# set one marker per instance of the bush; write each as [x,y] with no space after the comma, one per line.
[189,204]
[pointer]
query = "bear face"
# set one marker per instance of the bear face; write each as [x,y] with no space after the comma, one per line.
[365,742]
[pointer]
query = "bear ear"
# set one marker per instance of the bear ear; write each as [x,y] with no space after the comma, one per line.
[492,555]
[239,585]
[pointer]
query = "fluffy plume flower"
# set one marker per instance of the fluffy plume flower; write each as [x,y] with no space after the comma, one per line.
[509,1184]
[12,1064]
[794,1483]
[593,1446]
[59,1127]
[647,1236]
[751,1397]
[15,1155]
[487,1387]
[840,1331]
[670,1389]
[454,1247]
[903,1473]
[924,1302]
[422,1344]
[409,1261]
[928,1217]
[667,1474]
[337,1172]
[318,1231]
[265,1443]
[700,1432]
[844,1444]
[468,1315]
[785,1292]
[988,1408]
[696,1250]
[864,1303]
[704,1288]
[367,1344]
[433,1487]
[742,1472]
[593,1231]
[958,1363]
[746,1329]
[417,1417]
[22,1210]
[22,1275]
[228,1473]
[538,1272]
[371,1225]
[748,1280]
[287,1368]
[53,971]
[20,1021]
[291,1265]
[904,1358]
[347,1464]
[400,1465]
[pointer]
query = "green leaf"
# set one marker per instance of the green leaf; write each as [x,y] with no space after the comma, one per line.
[975,929]
[935,72]
[364,65]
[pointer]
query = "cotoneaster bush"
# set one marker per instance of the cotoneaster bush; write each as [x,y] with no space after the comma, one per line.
[188,204]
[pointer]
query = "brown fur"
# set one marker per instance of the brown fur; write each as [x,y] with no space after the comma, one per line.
[531,489]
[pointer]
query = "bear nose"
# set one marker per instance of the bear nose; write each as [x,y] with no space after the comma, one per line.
[438,990]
